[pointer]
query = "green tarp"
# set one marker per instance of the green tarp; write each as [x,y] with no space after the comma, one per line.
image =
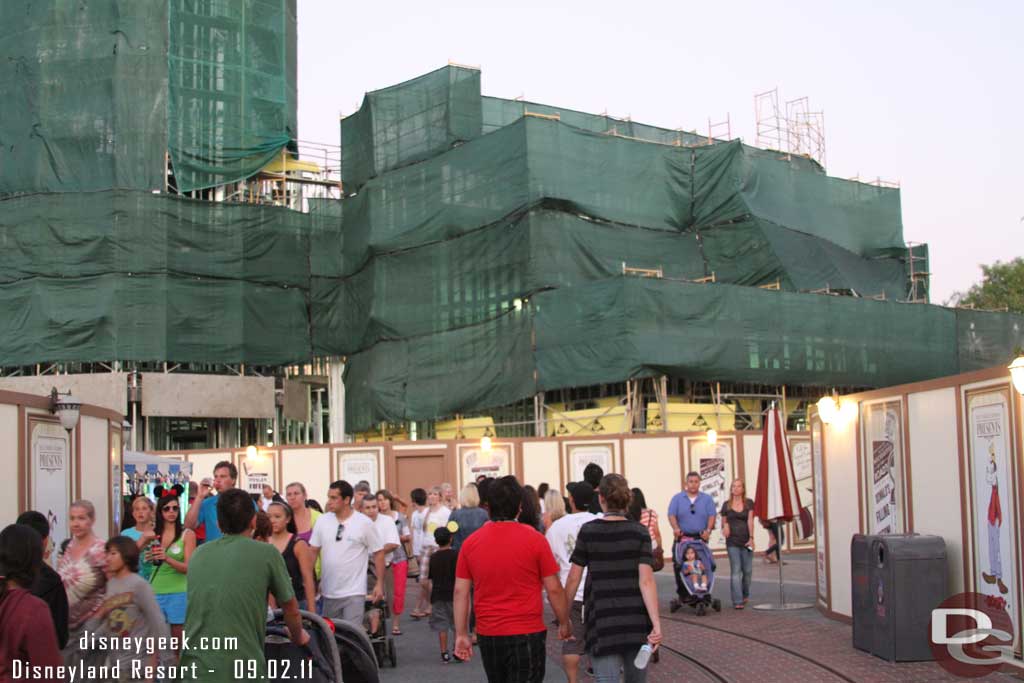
[97,93]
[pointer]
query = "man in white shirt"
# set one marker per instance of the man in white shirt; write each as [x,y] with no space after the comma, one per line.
[388,534]
[347,540]
[562,539]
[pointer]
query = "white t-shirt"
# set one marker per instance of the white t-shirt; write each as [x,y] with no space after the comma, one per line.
[434,520]
[416,522]
[562,539]
[387,532]
[344,562]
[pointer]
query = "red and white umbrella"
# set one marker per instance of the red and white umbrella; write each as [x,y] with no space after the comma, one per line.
[776,497]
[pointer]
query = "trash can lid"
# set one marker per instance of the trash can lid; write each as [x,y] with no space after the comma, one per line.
[900,547]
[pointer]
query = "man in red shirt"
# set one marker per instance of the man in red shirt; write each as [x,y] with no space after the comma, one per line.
[506,564]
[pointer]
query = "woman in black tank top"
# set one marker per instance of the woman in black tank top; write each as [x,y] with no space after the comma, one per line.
[297,556]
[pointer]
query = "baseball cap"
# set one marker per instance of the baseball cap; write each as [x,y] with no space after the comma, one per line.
[581,492]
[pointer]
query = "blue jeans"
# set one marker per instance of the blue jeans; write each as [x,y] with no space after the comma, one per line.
[606,668]
[741,567]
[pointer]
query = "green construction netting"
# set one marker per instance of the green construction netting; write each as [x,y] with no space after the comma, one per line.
[85,95]
[232,100]
[96,93]
[409,122]
[137,276]
[498,113]
[625,327]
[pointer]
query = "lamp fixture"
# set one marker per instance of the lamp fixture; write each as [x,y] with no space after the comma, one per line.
[251,452]
[1017,374]
[712,436]
[485,444]
[828,409]
[66,408]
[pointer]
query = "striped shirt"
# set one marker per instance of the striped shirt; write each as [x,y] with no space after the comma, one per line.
[615,617]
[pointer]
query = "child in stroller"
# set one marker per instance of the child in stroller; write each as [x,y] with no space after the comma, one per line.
[698,573]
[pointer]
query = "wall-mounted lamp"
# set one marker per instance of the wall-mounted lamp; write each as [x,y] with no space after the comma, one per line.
[1017,374]
[66,408]
[712,436]
[828,409]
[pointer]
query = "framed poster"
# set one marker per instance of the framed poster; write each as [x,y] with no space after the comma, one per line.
[992,472]
[357,466]
[474,463]
[818,510]
[582,454]
[50,457]
[800,452]
[257,472]
[882,464]
[716,465]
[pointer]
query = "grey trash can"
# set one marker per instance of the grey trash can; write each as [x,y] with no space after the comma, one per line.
[862,601]
[907,579]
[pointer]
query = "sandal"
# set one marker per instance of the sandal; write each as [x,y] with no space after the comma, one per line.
[417,615]
[396,631]
[737,606]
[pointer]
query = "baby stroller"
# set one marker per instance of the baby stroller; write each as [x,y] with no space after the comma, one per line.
[317,662]
[381,639]
[358,658]
[698,597]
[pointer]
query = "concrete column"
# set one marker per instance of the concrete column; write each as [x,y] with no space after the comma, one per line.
[336,399]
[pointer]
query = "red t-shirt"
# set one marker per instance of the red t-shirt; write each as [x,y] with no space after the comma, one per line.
[507,563]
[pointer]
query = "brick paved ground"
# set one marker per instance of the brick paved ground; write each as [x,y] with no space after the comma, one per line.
[732,656]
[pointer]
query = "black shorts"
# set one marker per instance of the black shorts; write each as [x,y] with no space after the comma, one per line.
[514,659]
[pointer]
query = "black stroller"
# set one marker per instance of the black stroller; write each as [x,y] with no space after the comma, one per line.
[698,594]
[382,641]
[337,651]
[318,662]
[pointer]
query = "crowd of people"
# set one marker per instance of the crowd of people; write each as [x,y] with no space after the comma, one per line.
[482,561]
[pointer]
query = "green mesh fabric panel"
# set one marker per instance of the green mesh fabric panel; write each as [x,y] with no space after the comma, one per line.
[617,328]
[498,113]
[131,275]
[409,122]
[232,92]
[85,88]
[985,339]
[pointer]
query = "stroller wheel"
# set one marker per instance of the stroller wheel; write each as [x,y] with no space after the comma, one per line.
[674,605]
[700,609]
[392,656]
[716,604]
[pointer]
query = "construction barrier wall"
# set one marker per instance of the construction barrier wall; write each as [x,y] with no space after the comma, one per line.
[940,457]
[47,468]
[656,463]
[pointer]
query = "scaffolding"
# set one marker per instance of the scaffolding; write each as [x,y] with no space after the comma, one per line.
[805,130]
[768,120]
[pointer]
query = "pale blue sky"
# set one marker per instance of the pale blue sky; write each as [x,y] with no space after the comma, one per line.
[927,93]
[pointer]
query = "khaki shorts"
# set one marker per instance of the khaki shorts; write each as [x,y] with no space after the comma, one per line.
[424,562]
[579,632]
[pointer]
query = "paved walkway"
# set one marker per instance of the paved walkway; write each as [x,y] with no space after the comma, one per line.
[731,646]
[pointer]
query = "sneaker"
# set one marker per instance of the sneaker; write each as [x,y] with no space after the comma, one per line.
[446,658]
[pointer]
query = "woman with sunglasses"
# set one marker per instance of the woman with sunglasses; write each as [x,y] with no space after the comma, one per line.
[170,554]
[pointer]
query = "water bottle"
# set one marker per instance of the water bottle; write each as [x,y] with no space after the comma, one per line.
[643,656]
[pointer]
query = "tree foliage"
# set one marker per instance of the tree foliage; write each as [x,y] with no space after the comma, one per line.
[1001,286]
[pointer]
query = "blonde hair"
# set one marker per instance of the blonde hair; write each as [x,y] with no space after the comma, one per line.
[469,496]
[86,505]
[554,504]
[299,484]
[144,499]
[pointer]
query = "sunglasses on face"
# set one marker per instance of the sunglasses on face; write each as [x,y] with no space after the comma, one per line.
[341,530]
[172,508]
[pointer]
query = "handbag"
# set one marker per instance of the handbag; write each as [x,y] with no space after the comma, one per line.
[658,554]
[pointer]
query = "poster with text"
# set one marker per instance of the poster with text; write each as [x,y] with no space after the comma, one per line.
[357,467]
[995,529]
[883,455]
[476,463]
[115,478]
[801,454]
[51,477]
[819,509]
[581,455]
[257,472]
[714,464]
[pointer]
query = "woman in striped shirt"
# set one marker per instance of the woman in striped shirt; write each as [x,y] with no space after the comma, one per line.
[620,599]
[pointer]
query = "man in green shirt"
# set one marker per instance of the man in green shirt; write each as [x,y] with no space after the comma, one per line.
[228,583]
